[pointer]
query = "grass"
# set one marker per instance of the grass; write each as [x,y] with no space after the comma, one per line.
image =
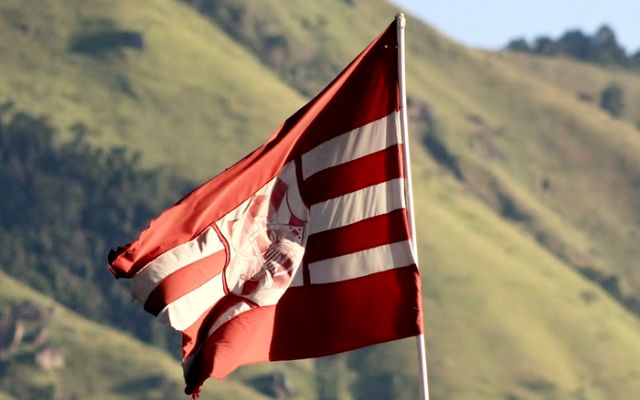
[523,304]
[100,362]
[143,99]
[585,81]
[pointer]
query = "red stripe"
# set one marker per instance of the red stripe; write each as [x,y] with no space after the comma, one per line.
[319,320]
[315,321]
[190,335]
[365,91]
[184,280]
[353,175]
[243,340]
[196,335]
[278,194]
[362,235]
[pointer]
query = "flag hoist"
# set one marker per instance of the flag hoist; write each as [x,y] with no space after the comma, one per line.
[306,247]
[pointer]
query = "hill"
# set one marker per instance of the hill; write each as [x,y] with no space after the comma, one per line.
[57,354]
[525,189]
[501,119]
[185,79]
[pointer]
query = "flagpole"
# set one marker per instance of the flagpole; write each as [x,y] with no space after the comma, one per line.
[422,356]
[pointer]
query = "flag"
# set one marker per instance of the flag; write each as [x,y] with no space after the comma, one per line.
[302,248]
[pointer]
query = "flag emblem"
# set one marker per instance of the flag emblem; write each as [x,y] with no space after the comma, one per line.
[266,238]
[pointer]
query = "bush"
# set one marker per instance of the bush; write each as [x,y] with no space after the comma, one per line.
[101,42]
[611,100]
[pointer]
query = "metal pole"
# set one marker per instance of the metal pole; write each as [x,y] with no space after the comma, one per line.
[422,356]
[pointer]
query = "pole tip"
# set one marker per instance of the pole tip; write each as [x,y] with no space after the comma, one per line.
[400,19]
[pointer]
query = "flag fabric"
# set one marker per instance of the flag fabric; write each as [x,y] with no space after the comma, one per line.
[302,248]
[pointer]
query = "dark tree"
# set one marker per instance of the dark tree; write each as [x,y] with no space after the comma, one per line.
[545,45]
[612,99]
[519,44]
[600,48]
[64,206]
[106,41]
[634,60]
[607,49]
[575,44]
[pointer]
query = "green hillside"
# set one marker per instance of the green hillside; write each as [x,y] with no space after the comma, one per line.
[516,124]
[527,132]
[586,81]
[188,81]
[509,320]
[99,362]
[525,189]
[5,396]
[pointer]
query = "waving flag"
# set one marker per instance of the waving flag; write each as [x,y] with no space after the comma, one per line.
[302,248]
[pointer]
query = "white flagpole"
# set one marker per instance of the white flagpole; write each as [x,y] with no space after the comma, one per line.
[404,127]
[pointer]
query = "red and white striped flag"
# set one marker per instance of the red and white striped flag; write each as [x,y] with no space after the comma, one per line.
[302,248]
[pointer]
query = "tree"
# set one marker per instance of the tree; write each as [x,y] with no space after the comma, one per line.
[607,49]
[519,44]
[576,44]
[611,100]
[634,60]
[64,205]
[545,45]
[600,48]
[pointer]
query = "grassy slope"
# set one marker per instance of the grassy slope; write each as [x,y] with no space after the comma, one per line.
[504,317]
[5,396]
[590,160]
[191,81]
[603,176]
[532,129]
[507,318]
[100,362]
[583,79]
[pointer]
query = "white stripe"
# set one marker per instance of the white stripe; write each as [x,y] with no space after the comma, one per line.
[367,139]
[297,279]
[229,315]
[355,206]
[172,260]
[185,311]
[362,263]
